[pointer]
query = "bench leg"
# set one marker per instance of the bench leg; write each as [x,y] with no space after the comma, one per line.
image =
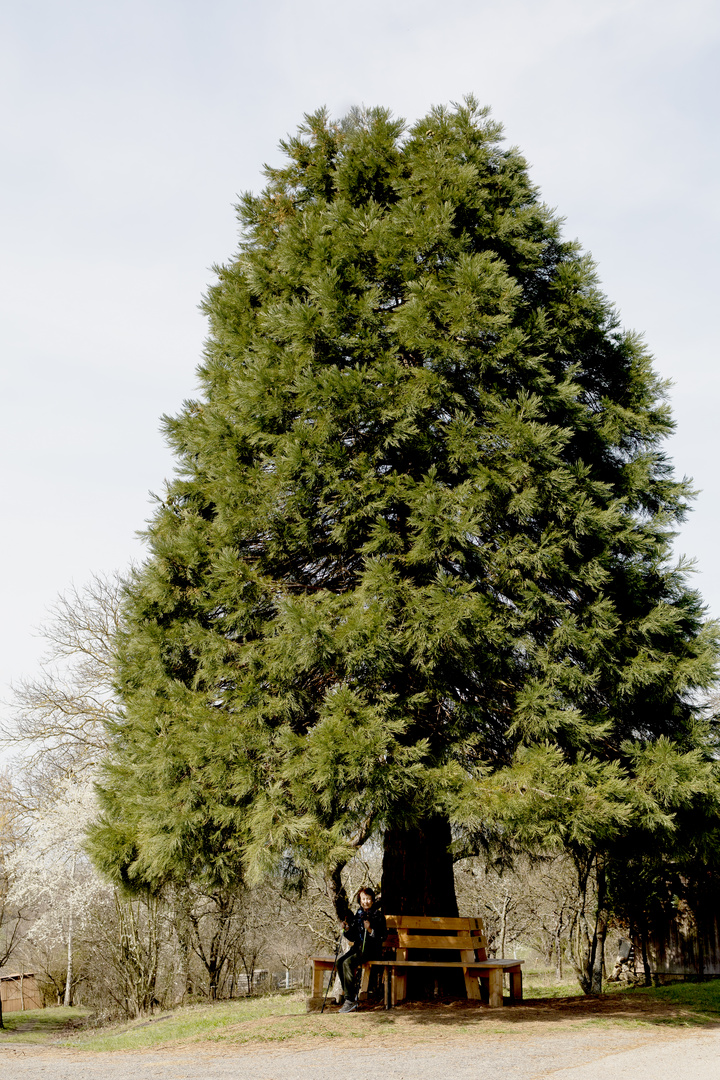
[398,986]
[364,982]
[315,1003]
[472,986]
[516,985]
[495,988]
[318,978]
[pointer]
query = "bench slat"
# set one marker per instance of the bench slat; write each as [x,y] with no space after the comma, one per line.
[431,922]
[469,965]
[428,941]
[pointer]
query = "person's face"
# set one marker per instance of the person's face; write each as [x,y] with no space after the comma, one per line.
[365,901]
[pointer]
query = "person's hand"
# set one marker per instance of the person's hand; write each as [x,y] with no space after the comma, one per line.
[367,924]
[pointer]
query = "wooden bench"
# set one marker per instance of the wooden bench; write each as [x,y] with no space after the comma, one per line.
[466,937]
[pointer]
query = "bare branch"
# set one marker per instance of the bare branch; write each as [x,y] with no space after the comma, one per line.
[59,719]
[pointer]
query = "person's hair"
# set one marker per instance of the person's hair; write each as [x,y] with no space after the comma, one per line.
[366,889]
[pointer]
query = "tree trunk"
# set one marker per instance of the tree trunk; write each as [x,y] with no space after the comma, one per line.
[644,952]
[558,949]
[68,975]
[418,879]
[597,956]
[503,924]
[417,872]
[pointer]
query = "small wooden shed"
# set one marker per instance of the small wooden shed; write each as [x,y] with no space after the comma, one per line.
[19,991]
[688,946]
[681,922]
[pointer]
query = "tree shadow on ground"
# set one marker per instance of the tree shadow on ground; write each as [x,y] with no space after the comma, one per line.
[614,1008]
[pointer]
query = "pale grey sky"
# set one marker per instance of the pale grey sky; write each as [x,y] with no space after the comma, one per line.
[130,128]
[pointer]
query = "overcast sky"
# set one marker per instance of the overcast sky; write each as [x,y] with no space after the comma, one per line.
[130,129]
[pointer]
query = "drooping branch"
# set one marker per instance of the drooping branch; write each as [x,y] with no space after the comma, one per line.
[337,891]
[337,888]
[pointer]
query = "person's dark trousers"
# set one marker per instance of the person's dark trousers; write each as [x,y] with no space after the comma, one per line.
[348,967]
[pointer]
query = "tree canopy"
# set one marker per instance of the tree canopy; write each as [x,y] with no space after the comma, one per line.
[413,576]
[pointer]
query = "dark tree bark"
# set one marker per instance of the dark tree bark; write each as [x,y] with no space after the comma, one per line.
[645,952]
[418,879]
[338,893]
[417,873]
[597,954]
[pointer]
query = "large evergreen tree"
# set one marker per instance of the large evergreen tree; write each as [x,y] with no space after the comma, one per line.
[412,578]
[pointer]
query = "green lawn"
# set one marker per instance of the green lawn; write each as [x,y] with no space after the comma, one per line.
[251,1019]
[551,990]
[697,1003]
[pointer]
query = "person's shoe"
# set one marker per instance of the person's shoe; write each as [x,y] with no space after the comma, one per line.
[349,1006]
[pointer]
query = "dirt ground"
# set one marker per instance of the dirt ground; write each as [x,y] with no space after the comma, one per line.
[523,1054]
[628,1038]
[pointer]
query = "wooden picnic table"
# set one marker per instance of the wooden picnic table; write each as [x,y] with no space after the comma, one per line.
[463,937]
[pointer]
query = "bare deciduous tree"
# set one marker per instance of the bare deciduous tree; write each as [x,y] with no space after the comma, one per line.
[127,941]
[57,718]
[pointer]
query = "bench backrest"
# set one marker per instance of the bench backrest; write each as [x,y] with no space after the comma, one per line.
[436,932]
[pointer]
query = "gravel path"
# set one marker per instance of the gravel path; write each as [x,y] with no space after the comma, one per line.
[622,1054]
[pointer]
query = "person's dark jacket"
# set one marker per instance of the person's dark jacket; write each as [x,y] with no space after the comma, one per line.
[368,943]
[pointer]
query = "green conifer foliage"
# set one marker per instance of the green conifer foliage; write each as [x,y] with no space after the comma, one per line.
[413,571]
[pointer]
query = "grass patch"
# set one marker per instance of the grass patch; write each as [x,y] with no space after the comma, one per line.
[540,981]
[536,989]
[680,1004]
[193,1023]
[693,1002]
[37,1025]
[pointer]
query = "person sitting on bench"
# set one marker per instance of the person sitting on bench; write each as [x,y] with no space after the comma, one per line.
[367,932]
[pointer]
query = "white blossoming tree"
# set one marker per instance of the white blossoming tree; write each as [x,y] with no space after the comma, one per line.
[52,876]
[10,913]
